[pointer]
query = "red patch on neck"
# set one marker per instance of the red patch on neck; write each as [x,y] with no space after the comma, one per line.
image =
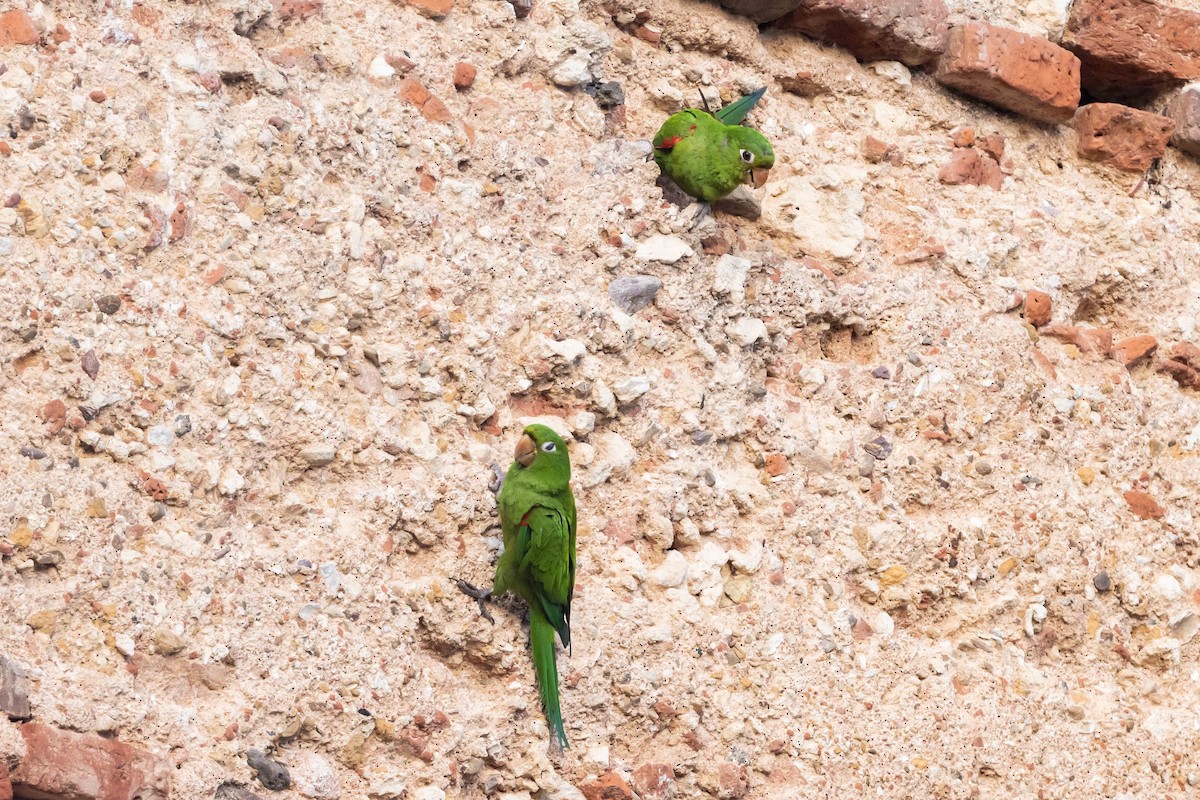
[670,142]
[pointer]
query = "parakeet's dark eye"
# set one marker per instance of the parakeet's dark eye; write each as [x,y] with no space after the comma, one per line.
[747,156]
[549,447]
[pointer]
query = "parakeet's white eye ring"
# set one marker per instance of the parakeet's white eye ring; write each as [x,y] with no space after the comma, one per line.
[747,156]
[548,447]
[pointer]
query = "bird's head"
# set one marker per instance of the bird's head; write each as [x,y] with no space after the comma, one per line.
[756,155]
[543,452]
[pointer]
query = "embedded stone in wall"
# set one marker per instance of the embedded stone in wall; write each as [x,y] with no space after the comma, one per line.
[910,31]
[761,10]
[16,27]
[1120,136]
[1130,45]
[14,690]
[1022,73]
[1184,111]
[84,766]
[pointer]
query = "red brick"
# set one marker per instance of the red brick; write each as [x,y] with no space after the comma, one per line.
[609,786]
[1013,70]
[413,91]
[464,75]
[432,8]
[435,110]
[1184,111]
[993,145]
[83,766]
[1183,371]
[1127,351]
[876,150]
[1144,505]
[910,31]
[1132,45]
[1120,136]
[1187,353]
[1038,308]
[967,166]
[654,781]
[16,27]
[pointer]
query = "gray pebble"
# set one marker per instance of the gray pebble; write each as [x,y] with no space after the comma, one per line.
[866,465]
[183,425]
[741,202]
[29,451]
[231,791]
[51,559]
[157,512]
[109,304]
[271,773]
[878,448]
[1102,582]
[883,373]
[632,293]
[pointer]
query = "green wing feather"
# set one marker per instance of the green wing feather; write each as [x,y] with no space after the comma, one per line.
[546,553]
[735,112]
[546,545]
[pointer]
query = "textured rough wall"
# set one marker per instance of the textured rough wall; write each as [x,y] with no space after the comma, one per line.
[870,500]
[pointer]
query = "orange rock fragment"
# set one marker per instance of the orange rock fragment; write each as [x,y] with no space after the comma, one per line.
[1130,350]
[1037,308]
[1144,505]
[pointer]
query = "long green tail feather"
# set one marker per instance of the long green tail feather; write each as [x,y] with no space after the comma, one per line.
[541,639]
[735,112]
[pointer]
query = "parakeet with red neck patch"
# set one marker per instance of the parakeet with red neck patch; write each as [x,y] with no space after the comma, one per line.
[709,155]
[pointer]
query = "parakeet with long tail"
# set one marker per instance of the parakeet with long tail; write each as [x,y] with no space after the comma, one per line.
[709,155]
[537,515]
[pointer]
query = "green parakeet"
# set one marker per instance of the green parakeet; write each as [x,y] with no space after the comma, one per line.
[537,515]
[708,155]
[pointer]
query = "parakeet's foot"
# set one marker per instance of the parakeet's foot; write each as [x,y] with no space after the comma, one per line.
[703,212]
[480,596]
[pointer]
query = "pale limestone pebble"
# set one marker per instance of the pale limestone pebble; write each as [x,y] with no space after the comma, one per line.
[625,568]
[614,457]
[230,481]
[1167,587]
[658,530]
[664,249]
[319,454]
[704,571]
[730,280]
[746,331]
[747,559]
[671,572]
[313,776]
[567,351]
[428,793]
[629,389]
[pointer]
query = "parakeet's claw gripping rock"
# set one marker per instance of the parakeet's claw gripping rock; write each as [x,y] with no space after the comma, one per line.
[480,596]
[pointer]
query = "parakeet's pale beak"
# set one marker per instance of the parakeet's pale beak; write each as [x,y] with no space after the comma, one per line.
[526,450]
[759,175]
